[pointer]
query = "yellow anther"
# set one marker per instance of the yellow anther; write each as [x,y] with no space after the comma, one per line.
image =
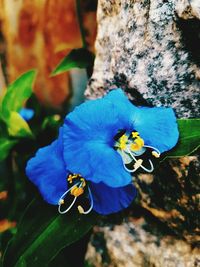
[77,191]
[80,209]
[124,138]
[138,163]
[155,154]
[123,141]
[122,146]
[83,182]
[135,134]
[71,177]
[61,201]
[138,144]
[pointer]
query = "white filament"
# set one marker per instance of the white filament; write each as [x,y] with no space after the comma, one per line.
[144,168]
[80,208]
[62,198]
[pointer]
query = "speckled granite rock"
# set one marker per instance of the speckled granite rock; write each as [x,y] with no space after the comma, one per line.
[131,244]
[149,48]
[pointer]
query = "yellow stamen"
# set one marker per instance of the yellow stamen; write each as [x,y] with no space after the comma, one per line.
[77,191]
[80,209]
[155,154]
[83,182]
[72,176]
[123,141]
[138,144]
[135,134]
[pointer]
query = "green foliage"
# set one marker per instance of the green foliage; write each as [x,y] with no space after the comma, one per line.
[51,121]
[77,58]
[11,123]
[189,139]
[5,146]
[17,126]
[43,233]
[17,93]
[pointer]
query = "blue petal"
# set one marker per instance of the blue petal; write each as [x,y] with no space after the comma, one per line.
[95,161]
[47,171]
[88,142]
[102,118]
[118,98]
[109,200]
[26,113]
[157,126]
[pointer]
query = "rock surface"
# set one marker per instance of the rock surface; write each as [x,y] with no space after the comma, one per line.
[150,48]
[132,244]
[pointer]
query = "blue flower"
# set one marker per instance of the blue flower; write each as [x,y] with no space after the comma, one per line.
[26,113]
[48,171]
[101,142]
[90,131]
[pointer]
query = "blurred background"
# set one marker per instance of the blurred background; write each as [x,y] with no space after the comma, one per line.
[38,35]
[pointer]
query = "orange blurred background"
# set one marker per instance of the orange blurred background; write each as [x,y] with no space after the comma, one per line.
[38,34]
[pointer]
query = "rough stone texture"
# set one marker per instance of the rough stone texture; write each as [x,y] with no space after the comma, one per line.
[133,245]
[171,194]
[150,48]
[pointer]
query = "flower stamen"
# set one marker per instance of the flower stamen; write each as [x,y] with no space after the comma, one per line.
[61,200]
[123,141]
[71,177]
[80,208]
[132,147]
[75,190]
[78,190]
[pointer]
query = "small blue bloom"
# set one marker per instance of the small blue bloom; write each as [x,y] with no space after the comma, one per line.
[89,138]
[101,142]
[26,113]
[48,171]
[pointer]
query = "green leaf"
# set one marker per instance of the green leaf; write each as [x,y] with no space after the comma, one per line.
[18,92]
[42,234]
[77,58]
[17,126]
[52,121]
[5,147]
[189,140]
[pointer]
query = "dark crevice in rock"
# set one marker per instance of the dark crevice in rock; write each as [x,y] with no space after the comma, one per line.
[99,242]
[190,30]
[136,98]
